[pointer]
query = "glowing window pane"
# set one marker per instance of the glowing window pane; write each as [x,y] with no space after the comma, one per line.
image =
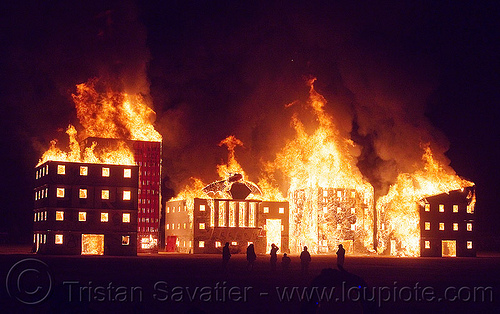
[234,243]
[441,226]
[126,217]
[455,226]
[427,225]
[34,217]
[455,208]
[427,207]
[469,245]
[84,170]
[125,240]
[449,248]
[441,208]
[212,215]
[469,226]
[60,192]
[92,244]
[168,210]
[59,239]
[251,215]
[44,215]
[126,195]
[83,193]
[242,213]
[470,208]
[82,216]
[266,210]
[61,169]
[179,226]
[232,214]
[168,226]
[218,244]
[59,215]
[222,214]
[201,244]
[105,194]
[127,173]
[104,217]
[184,225]
[202,208]
[202,225]
[281,210]
[427,244]
[105,172]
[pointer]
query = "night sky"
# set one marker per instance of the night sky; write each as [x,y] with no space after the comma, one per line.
[394,76]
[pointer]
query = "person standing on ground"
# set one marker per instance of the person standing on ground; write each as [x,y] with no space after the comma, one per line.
[340,257]
[251,256]
[226,255]
[274,256]
[305,259]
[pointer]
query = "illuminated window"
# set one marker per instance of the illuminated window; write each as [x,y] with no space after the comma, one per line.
[82,216]
[168,210]
[126,217]
[202,208]
[59,239]
[168,226]
[353,210]
[281,210]
[222,214]
[126,195]
[83,193]
[179,226]
[105,172]
[105,194]
[325,193]
[441,226]
[339,194]
[469,245]
[104,217]
[59,215]
[251,215]
[234,243]
[125,240]
[470,208]
[469,226]
[266,210]
[202,225]
[232,214]
[201,244]
[212,215]
[34,216]
[84,170]
[36,174]
[427,225]
[61,169]
[455,208]
[455,226]
[427,244]
[242,214]
[60,192]
[441,208]
[427,207]
[184,225]
[127,173]
[44,215]
[218,244]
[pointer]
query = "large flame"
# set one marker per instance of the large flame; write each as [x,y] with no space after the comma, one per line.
[398,210]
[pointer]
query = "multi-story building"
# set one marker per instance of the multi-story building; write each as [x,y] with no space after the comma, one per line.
[87,209]
[447,226]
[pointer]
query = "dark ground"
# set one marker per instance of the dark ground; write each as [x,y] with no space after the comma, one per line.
[177,277]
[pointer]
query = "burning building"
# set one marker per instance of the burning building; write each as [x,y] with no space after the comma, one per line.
[84,208]
[447,225]
[204,225]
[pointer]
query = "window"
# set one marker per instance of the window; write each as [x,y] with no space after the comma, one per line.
[441,226]
[441,208]
[469,226]
[201,225]
[469,245]
[184,225]
[427,207]
[266,210]
[455,226]
[44,215]
[84,170]
[60,192]
[222,214]
[234,243]
[126,195]
[105,194]
[82,216]
[104,217]
[455,208]
[59,215]
[218,244]
[168,210]
[251,215]
[83,193]
[61,169]
[427,244]
[34,216]
[201,244]
[125,240]
[202,208]
[105,172]
[126,217]
[179,226]
[168,226]
[127,173]
[427,225]
[59,239]
[232,214]
[281,210]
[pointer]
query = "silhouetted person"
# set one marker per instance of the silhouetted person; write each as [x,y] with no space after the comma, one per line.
[305,259]
[340,257]
[285,262]
[251,256]
[274,256]
[226,255]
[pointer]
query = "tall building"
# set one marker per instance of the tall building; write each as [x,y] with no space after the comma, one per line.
[87,209]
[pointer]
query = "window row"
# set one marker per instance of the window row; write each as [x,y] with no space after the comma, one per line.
[441,226]
[339,194]
[147,229]
[43,193]
[83,194]
[42,172]
[427,244]
[441,208]
[179,226]
[59,239]
[84,171]
[82,216]
[147,220]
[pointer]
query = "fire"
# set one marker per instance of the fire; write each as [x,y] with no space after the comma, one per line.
[108,114]
[398,212]
[323,179]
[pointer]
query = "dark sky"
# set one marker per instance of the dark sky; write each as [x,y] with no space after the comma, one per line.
[393,75]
